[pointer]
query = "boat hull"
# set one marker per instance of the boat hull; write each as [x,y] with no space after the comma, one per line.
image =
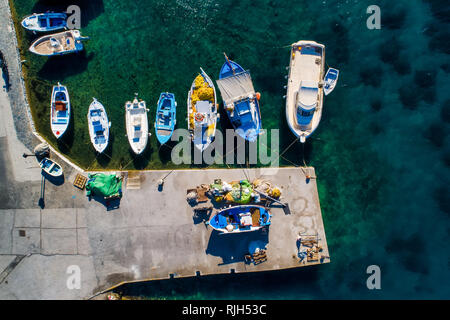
[98,126]
[60,111]
[238,219]
[45,22]
[137,125]
[165,117]
[304,67]
[202,128]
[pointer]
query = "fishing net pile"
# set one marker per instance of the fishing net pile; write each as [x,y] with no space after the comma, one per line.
[243,192]
[236,192]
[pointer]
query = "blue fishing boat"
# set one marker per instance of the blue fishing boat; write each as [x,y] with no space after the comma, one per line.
[238,219]
[44,22]
[240,100]
[165,117]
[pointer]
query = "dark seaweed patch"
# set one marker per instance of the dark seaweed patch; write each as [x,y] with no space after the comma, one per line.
[376,105]
[446,159]
[371,76]
[435,134]
[445,111]
[439,37]
[446,67]
[440,195]
[424,78]
[410,252]
[408,97]
[440,10]
[375,128]
[393,19]
[392,54]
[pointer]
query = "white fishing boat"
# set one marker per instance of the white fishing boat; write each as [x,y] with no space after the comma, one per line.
[44,22]
[304,97]
[59,43]
[59,110]
[330,80]
[51,167]
[137,125]
[202,111]
[98,126]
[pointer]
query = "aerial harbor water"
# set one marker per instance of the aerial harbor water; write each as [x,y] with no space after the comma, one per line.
[381,152]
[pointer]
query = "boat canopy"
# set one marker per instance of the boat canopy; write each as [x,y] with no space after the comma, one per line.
[236,87]
[307,95]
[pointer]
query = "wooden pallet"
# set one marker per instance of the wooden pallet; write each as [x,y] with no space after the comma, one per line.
[80,181]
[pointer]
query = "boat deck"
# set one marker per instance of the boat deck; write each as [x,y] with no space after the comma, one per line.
[65,39]
[303,67]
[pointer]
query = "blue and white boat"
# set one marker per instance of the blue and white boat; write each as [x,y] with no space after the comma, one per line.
[243,218]
[51,167]
[165,117]
[98,126]
[304,97]
[240,100]
[60,110]
[44,22]
[330,80]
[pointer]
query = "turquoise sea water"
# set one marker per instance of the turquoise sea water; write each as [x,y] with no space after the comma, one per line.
[381,152]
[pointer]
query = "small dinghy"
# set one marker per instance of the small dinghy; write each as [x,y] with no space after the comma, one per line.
[165,117]
[330,80]
[137,125]
[60,110]
[98,126]
[243,218]
[59,43]
[304,97]
[44,22]
[51,167]
[240,100]
[202,111]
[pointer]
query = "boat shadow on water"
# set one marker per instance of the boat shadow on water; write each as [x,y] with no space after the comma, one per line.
[61,67]
[105,157]
[233,247]
[141,161]
[165,151]
[66,141]
[90,9]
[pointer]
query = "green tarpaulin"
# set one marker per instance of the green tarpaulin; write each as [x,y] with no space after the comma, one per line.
[105,185]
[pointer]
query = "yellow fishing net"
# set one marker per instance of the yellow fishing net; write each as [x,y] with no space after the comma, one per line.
[205,94]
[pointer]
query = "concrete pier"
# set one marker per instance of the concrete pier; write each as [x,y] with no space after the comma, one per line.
[154,234]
